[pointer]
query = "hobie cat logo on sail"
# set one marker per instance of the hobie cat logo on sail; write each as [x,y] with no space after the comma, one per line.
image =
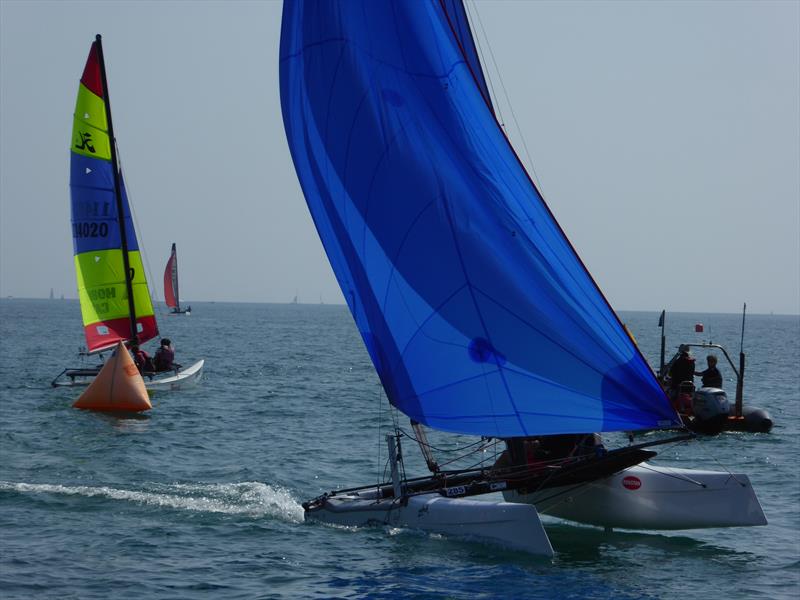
[85,142]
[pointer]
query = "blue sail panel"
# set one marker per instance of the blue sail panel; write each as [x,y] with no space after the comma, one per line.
[94,206]
[476,312]
[456,16]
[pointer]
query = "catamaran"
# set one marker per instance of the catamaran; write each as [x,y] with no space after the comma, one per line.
[112,287]
[171,293]
[477,313]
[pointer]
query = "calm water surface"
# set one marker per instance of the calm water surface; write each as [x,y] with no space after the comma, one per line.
[201,499]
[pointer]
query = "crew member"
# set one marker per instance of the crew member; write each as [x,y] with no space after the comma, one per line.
[165,356]
[711,376]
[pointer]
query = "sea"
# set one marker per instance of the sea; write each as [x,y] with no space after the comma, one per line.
[201,497]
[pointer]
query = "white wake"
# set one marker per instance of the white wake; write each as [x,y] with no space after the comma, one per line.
[248,498]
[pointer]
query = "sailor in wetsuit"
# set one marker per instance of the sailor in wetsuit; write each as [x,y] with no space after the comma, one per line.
[711,376]
[141,359]
[681,370]
[164,358]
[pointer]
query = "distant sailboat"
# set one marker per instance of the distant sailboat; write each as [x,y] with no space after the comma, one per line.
[52,295]
[171,294]
[115,307]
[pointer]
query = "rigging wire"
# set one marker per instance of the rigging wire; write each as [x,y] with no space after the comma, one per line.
[505,91]
[479,447]
[137,228]
[489,81]
[437,449]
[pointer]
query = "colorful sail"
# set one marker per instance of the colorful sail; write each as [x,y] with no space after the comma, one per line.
[476,311]
[96,228]
[171,280]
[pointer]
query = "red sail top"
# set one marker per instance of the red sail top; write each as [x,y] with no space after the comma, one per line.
[92,78]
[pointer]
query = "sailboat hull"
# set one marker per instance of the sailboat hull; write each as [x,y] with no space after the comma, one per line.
[649,497]
[188,377]
[168,380]
[515,526]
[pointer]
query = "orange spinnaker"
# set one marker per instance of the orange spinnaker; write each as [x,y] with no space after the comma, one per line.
[117,387]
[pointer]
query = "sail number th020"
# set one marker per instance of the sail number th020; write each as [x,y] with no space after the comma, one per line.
[89,230]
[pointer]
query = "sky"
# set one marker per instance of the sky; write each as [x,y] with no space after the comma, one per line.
[665,137]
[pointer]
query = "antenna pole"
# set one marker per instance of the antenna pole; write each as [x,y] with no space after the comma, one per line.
[740,378]
[662,323]
[117,191]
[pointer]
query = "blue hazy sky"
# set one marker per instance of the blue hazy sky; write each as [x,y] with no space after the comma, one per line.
[665,137]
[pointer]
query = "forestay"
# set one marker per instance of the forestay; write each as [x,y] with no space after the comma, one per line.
[475,310]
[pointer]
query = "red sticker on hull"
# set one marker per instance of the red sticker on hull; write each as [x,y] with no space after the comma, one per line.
[632,483]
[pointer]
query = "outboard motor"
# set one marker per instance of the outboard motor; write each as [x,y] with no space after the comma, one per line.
[711,410]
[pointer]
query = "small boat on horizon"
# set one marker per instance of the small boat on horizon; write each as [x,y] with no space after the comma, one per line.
[171,292]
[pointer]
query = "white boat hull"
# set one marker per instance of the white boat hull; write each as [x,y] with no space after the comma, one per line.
[515,526]
[168,380]
[649,497]
[188,377]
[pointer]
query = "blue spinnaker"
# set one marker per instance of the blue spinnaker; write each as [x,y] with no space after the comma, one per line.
[456,15]
[476,312]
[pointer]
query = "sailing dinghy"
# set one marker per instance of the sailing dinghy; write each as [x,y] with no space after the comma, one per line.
[477,313]
[171,293]
[112,287]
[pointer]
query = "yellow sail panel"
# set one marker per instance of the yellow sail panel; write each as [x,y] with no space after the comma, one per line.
[101,286]
[90,126]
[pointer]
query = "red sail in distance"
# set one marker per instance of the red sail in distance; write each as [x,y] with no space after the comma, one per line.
[171,280]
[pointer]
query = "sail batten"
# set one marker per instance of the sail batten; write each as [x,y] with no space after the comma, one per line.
[476,311]
[101,254]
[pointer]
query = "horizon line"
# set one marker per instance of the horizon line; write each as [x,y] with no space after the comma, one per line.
[643,310]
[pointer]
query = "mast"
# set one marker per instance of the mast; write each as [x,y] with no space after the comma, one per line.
[117,191]
[662,324]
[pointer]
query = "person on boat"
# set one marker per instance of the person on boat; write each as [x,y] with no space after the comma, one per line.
[535,452]
[164,358]
[711,376]
[141,359]
[681,380]
[682,368]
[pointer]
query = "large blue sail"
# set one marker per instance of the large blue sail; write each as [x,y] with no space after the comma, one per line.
[476,312]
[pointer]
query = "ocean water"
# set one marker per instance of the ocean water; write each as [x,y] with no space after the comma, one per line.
[201,498]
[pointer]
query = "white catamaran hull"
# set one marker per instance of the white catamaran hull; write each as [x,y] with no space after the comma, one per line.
[168,380]
[649,497]
[515,526]
[188,377]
